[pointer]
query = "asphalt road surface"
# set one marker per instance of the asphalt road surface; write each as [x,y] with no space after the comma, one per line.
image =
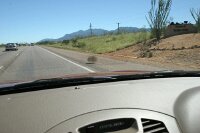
[33,62]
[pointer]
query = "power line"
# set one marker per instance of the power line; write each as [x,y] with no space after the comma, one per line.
[90,29]
[118,27]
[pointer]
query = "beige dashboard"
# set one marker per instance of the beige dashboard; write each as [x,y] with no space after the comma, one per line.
[173,102]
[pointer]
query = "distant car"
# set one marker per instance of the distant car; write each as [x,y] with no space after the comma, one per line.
[11,46]
[32,44]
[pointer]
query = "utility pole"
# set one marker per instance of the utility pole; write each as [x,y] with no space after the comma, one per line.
[118,28]
[90,29]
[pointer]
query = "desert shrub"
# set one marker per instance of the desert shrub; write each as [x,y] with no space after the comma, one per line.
[146,54]
[157,16]
[114,38]
[66,42]
[92,59]
[74,41]
[79,45]
[182,47]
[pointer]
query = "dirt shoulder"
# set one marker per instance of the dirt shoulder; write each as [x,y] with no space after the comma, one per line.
[177,52]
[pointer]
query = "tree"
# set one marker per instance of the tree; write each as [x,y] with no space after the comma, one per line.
[158,16]
[65,42]
[74,40]
[196,15]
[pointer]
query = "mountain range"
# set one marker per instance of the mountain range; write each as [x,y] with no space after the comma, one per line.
[96,32]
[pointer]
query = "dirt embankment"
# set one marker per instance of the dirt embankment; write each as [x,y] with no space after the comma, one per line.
[177,52]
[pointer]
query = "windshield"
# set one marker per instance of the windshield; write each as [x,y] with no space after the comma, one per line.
[44,39]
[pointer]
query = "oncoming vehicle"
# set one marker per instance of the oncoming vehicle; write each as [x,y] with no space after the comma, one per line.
[11,47]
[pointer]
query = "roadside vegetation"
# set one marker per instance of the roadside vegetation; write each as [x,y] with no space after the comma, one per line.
[102,44]
[196,16]
[143,44]
[1,45]
[157,17]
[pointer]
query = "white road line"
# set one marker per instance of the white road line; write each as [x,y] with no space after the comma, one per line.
[17,54]
[1,67]
[69,60]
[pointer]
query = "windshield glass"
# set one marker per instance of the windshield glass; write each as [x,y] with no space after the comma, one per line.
[43,39]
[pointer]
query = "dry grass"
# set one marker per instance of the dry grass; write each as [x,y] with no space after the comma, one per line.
[177,58]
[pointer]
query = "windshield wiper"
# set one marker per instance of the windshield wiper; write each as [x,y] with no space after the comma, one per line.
[44,84]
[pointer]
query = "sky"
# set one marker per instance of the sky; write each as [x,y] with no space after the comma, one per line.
[34,20]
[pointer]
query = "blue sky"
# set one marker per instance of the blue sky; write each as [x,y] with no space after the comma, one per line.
[33,20]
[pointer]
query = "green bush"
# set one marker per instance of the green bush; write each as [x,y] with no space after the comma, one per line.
[146,54]
[74,41]
[79,45]
[65,42]
[114,38]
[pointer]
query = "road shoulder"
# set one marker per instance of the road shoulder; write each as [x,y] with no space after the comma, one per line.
[104,63]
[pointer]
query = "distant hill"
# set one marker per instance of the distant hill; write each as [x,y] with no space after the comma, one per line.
[81,33]
[96,32]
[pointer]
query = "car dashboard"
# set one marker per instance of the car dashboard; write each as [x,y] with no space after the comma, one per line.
[159,105]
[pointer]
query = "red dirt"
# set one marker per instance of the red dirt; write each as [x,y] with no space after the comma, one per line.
[177,52]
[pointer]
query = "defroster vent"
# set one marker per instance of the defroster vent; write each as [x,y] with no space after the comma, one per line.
[153,126]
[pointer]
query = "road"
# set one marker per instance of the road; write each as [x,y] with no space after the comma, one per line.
[34,62]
